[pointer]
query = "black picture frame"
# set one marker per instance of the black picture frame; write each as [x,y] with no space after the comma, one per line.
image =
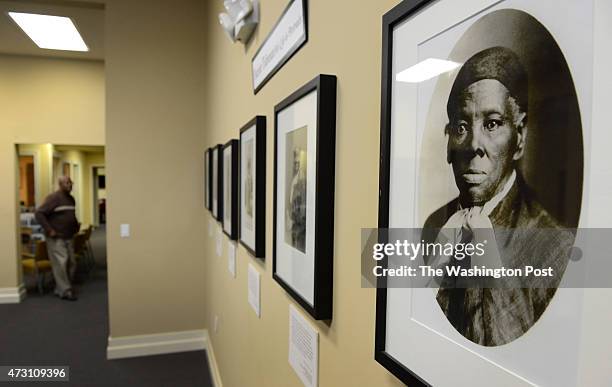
[208,179]
[232,233]
[402,345]
[219,149]
[396,15]
[322,308]
[290,54]
[259,124]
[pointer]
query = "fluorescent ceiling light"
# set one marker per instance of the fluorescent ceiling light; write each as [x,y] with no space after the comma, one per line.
[50,32]
[425,70]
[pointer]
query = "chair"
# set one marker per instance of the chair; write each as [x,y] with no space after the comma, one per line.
[79,243]
[26,233]
[37,263]
[90,255]
[26,239]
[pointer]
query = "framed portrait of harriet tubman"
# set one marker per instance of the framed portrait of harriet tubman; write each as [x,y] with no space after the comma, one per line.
[230,189]
[304,176]
[486,122]
[252,186]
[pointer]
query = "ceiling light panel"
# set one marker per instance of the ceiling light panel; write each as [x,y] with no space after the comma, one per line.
[50,32]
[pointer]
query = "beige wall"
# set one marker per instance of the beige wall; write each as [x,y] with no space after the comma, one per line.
[154,164]
[42,101]
[252,351]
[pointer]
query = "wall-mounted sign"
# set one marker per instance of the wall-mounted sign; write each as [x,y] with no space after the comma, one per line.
[303,348]
[286,38]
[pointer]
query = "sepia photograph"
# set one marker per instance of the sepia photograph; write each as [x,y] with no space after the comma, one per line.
[295,198]
[499,131]
[248,196]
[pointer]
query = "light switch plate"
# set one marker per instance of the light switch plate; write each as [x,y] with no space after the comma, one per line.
[125,230]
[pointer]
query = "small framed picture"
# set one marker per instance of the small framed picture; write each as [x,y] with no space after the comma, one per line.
[230,189]
[253,186]
[304,176]
[208,179]
[216,184]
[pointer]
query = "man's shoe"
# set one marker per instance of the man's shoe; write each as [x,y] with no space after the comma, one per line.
[68,296]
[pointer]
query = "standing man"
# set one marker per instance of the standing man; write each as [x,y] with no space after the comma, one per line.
[58,218]
[297,201]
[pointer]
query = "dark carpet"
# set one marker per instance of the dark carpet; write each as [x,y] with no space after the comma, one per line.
[44,330]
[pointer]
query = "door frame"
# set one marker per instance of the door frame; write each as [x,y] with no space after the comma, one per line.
[36,159]
[94,186]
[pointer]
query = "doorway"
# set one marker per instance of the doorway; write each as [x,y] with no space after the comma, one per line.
[40,166]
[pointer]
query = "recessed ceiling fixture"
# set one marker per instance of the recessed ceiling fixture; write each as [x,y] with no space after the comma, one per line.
[425,70]
[50,32]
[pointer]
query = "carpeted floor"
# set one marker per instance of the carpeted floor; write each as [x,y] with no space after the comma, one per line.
[44,330]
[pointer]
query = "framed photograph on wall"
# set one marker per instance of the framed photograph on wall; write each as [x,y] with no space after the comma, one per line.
[485,114]
[304,176]
[208,179]
[230,189]
[217,182]
[252,186]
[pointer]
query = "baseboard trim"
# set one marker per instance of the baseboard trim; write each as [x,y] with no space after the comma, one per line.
[155,344]
[162,343]
[212,362]
[23,292]
[12,295]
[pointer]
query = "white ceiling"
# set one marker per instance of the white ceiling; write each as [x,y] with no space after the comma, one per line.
[88,16]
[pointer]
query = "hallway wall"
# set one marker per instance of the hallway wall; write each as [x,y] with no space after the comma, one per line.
[155,60]
[343,39]
[41,101]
